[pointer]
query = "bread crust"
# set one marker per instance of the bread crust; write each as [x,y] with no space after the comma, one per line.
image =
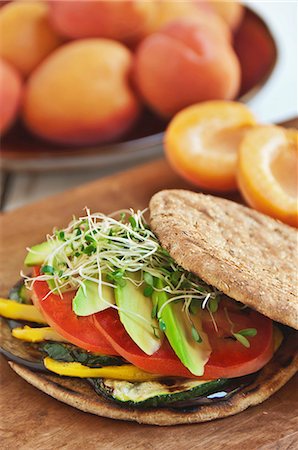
[248,256]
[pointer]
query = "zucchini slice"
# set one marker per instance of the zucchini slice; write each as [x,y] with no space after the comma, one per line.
[155,393]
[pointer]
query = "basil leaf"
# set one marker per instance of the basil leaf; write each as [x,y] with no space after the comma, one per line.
[71,353]
[57,351]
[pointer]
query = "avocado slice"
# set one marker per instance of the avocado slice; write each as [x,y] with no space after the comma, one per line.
[25,294]
[179,332]
[20,293]
[135,314]
[39,253]
[87,301]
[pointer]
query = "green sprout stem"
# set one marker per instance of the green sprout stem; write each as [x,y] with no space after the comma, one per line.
[108,249]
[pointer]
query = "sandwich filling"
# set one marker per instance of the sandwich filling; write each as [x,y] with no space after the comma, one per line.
[113,306]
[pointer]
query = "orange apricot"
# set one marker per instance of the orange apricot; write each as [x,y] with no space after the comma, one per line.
[230,11]
[26,35]
[167,12]
[10,95]
[81,95]
[124,20]
[201,143]
[182,64]
[267,172]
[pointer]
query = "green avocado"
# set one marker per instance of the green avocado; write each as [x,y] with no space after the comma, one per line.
[20,293]
[87,300]
[180,332]
[135,313]
[39,253]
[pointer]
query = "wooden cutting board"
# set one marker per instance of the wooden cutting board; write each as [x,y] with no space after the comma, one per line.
[32,420]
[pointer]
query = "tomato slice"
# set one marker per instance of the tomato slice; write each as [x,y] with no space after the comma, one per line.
[109,324]
[229,358]
[104,333]
[58,312]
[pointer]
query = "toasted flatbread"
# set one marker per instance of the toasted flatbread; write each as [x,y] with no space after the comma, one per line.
[243,253]
[79,393]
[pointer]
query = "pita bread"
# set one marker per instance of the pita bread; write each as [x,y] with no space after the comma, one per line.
[80,394]
[243,253]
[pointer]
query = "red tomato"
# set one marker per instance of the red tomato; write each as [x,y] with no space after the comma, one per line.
[58,312]
[229,358]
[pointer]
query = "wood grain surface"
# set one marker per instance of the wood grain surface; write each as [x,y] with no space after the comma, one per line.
[32,420]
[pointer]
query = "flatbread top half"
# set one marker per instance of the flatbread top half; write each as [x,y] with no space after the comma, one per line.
[243,253]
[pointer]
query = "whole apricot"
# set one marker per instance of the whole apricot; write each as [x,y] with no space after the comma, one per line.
[230,11]
[81,95]
[182,64]
[167,12]
[124,20]
[26,35]
[10,95]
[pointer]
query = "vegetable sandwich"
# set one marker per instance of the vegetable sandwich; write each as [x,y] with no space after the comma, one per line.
[184,317]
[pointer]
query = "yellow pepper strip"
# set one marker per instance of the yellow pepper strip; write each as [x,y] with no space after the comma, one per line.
[75,369]
[19,311]
[37,334]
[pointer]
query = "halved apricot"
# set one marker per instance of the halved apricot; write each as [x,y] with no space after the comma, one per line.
[267,172]
[202,142]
